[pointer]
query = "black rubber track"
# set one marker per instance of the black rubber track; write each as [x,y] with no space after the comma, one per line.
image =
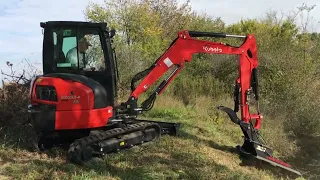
[79,145]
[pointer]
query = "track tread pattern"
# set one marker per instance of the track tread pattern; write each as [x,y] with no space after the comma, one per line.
[76,148]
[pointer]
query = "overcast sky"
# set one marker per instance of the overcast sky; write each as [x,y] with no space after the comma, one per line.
[21,37]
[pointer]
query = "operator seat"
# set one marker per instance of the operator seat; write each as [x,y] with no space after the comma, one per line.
[100,93]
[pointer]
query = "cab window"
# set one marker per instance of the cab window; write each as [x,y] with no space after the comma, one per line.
[78,50]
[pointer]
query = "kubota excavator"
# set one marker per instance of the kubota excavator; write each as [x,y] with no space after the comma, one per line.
[74,100]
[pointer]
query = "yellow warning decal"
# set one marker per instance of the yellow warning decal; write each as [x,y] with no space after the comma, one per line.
[122,143]
[39,80]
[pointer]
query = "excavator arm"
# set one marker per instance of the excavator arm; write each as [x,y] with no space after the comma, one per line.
[181,51]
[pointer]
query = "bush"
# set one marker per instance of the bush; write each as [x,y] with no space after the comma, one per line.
[14,99]
[15,131]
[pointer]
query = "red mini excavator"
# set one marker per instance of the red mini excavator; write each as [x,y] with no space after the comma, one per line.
[74,101]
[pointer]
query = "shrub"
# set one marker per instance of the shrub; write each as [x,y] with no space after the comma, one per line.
[15,131]
[14,99]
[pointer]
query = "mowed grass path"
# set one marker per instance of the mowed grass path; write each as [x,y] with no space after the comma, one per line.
[204,149]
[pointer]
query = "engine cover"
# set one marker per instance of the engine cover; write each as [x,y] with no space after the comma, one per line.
[72,91]
[72,101]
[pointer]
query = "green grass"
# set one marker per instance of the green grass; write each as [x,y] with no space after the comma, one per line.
[204,149]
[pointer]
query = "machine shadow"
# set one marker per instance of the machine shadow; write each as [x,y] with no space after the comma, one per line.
[245,161]
[18,137]
[147,166]
[186,135]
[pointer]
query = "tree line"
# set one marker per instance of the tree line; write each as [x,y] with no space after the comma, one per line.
[288,54]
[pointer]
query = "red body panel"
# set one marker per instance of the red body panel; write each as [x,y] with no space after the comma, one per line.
[74,106]
[78,119]
[186,46]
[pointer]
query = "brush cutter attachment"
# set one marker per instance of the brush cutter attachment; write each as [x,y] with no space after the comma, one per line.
[252,146]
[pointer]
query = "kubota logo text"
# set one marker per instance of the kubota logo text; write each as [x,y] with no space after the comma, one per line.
[211,49]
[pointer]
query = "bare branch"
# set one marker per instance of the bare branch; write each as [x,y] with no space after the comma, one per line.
[13,76]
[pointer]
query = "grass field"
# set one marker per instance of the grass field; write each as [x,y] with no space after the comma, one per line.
[204,149]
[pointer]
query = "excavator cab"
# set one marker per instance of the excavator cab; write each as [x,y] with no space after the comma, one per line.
[74,100]
[71,49]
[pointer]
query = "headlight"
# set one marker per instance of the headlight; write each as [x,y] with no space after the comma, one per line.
[47,93]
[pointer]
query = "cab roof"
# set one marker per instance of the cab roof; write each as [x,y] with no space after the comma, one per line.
[74,24]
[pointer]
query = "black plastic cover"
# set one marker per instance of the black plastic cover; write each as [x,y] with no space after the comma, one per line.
[42,118]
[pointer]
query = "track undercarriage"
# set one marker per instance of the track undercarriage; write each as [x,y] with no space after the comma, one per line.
[110,139]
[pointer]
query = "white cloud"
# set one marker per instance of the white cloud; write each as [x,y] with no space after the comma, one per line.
[7,3]
[233,11]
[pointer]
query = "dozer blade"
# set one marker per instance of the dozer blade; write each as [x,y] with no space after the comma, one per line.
[252,147]
[167,128]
